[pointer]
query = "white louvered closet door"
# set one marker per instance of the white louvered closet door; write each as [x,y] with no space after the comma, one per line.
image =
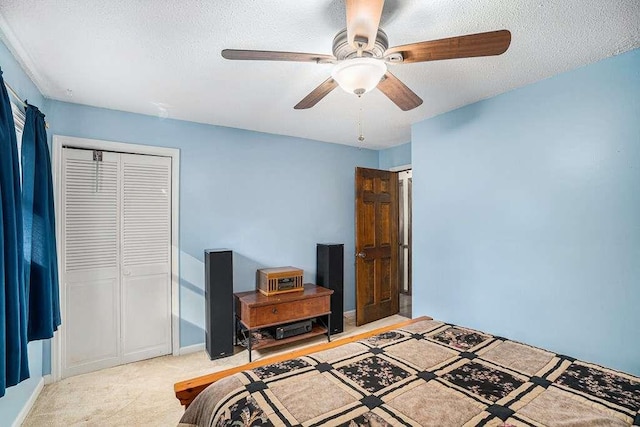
[146,256]
[91,257]
[116,257]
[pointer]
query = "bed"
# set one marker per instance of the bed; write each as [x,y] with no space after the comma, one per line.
[418,372]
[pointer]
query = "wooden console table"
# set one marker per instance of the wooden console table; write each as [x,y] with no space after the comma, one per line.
[256,311]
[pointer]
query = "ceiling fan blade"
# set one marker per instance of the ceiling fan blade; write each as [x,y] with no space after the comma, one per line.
[398,92]
[481,44]
[317,94]
[268,55]
[363,19]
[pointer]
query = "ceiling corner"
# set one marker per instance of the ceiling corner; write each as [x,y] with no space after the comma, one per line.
[24,59]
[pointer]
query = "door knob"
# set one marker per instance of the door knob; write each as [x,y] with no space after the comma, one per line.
[361,255]
[127,272]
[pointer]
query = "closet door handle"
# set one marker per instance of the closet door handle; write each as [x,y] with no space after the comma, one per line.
[126,272]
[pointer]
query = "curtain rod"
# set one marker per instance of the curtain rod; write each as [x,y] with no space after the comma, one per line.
[17,97]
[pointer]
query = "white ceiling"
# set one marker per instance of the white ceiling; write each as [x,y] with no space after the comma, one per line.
[161,57]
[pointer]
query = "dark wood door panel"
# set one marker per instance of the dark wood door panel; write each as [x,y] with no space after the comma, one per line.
[366,229]
[385,288]
[386,224]
[366,274]
[376,244]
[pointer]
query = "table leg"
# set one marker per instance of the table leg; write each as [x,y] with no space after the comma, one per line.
[329,328]
[249,344]
[235,332]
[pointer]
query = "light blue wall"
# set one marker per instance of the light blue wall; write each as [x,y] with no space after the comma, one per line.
[400,155]
[15,398]
[269,198]
[527,214]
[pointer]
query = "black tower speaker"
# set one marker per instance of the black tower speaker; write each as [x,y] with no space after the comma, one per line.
[330,274]
[218,295]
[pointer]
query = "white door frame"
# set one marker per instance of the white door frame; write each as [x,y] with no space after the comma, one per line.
[59,142]
[400,168]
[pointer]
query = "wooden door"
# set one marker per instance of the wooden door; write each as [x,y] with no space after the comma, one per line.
[376,244]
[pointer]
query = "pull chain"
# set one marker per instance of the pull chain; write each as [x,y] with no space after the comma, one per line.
[360,136]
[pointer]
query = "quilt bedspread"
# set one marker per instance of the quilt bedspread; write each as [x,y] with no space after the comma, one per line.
[427,373]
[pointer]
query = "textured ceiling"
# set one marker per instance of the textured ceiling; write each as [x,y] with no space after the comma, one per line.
[163,58]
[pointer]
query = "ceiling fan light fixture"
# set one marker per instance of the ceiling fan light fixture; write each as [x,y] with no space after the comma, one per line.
[359,75]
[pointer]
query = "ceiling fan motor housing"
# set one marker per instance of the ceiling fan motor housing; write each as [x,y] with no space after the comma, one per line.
[343,50]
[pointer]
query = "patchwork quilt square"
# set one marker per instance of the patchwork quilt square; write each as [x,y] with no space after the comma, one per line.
[459,338]
[373,373]
[519,357]
[296,393]
[420,353]
[433,404]
[276,369]
[492,384]
[385,338]
[245,411]
[604,384]
[340,353]
[558,407]
[423,326]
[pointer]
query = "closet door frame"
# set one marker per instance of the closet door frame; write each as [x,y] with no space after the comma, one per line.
[60,141]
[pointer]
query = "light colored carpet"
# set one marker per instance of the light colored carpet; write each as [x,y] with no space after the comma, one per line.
[141,393]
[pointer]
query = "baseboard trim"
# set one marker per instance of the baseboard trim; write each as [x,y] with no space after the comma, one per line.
[27,406]
[191,349]
[48,379]
[351,314]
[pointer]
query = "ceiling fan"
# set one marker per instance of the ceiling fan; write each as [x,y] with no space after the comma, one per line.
[361,53]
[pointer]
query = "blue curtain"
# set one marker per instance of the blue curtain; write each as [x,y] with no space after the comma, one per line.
[14,364]
[41,261]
